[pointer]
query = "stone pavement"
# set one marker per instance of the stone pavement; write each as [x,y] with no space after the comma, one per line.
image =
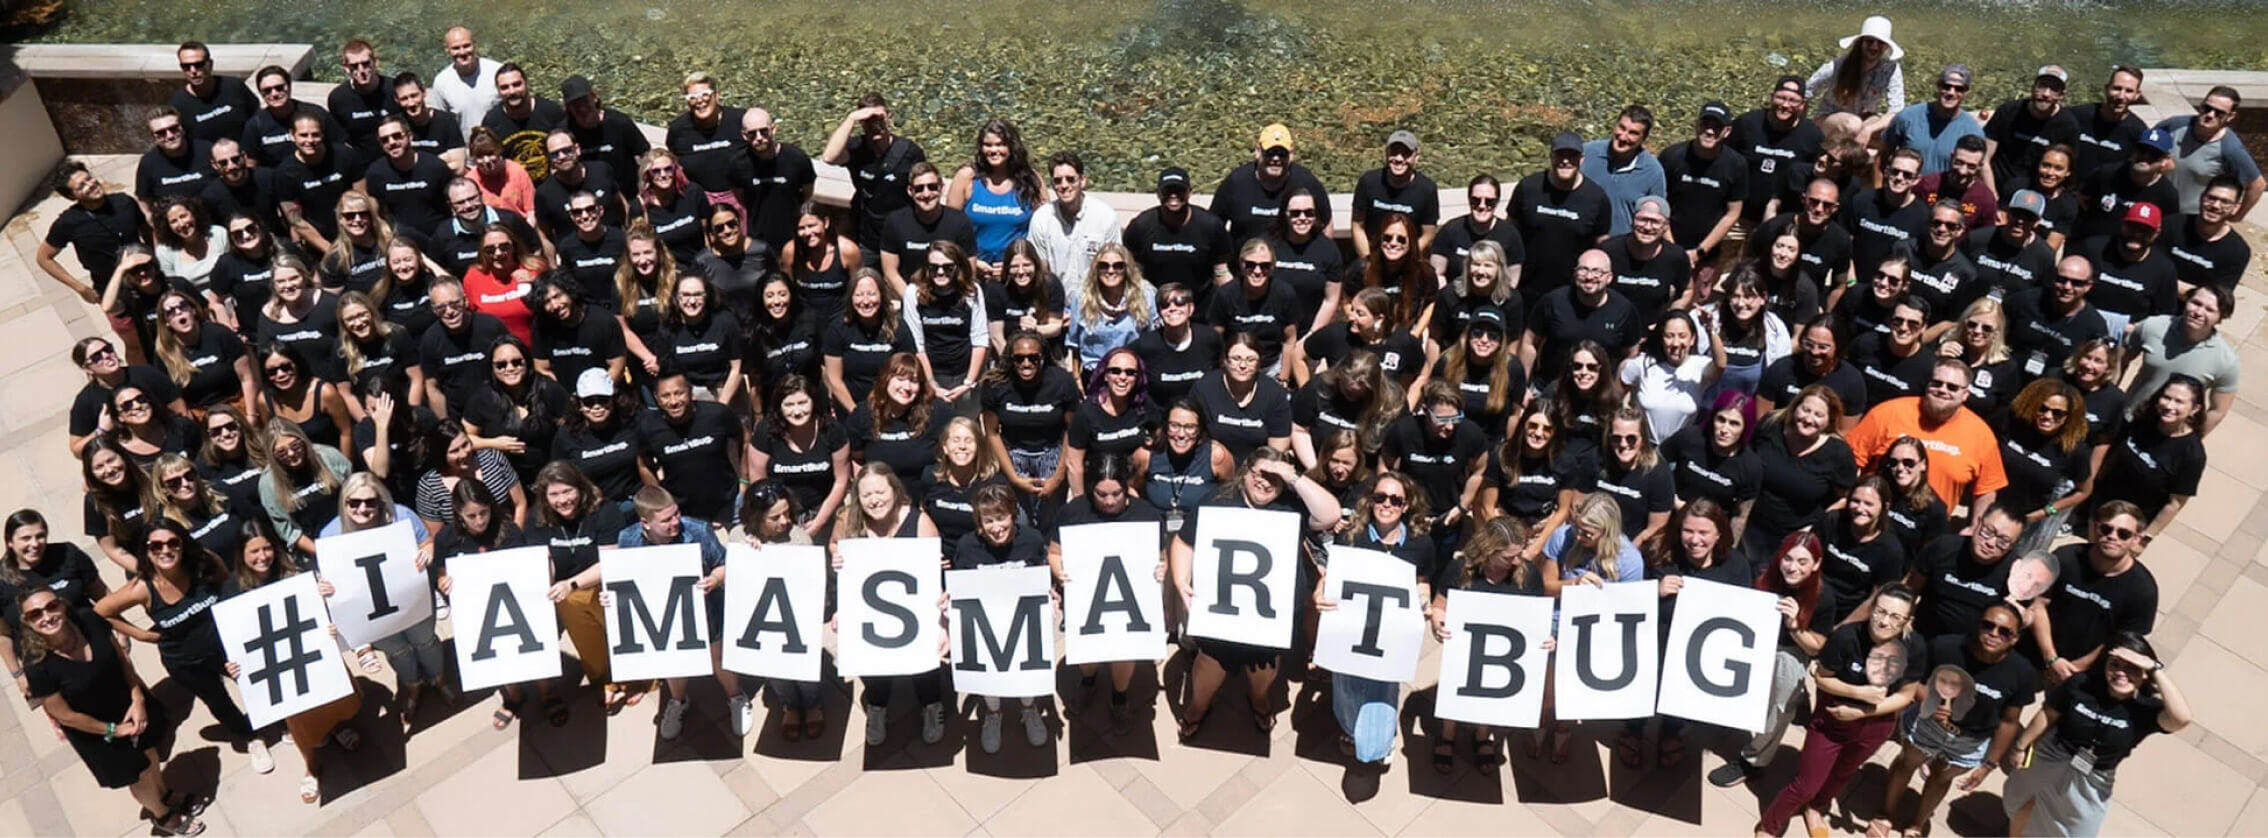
[455,776]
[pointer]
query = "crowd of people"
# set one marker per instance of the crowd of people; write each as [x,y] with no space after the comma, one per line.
[1934,377]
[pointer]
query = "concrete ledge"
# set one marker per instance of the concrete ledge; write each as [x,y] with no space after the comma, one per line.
[151,61]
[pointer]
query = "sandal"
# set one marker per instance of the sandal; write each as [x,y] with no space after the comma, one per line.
[348,738]
[1262,719]
[633,695]
[615,700]
[1671,751]
[408,714]
[310,790]
[1486,756]
[1564,744]
[369,659]
[178,800]
[179,822]
[555,711]
[1878,828]
[1444,756]
[814,724]
[505,715]
[791,726]
[1630,748]
[1189,727]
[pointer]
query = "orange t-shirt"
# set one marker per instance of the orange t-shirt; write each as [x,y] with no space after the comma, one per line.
[1964,455]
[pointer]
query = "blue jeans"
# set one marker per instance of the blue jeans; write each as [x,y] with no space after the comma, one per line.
[415,654]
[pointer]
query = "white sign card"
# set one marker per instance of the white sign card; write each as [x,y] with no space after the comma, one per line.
[1113,605]
[657,625]
[886,607]
[507,630]
[1379,624]
[1002,631]
[376,589]
[1493,664]
[1723,643]
[1245,576]
[1608,651]
[279,636]
[775,610]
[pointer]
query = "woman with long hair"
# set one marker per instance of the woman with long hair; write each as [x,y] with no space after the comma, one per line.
[302,314]
[260,559]
[2159,461]
[1634,474]
[457,461]
[233,457]
[1674,366]
[290,391]
[1394,519]
[1355,395]
[518,412]
[179,494]
[205,359]
[179,583]
[1026,298]
[575,524]
[783,338]
[1917,515]
[1696,545]
[945,314]
[1340,468]
[998,189]
[820,262]
[1710,458]
[1866,555]
[1867,80]
[1806,467]
[375,347]
[1397,266]
[189,244]
[1535,475]
[78,670]
[1806,614]
[2092,368]
[414,653]
[401,293]
[643,283]
[1028,404]
[1587,550]
[498,282]
[2105,714]
[244,275]
[860,343]
[143,432]
[2043,447]
[959,469]
[1116,417]
[1112,308]
[1267,481]
[29,562]
[504,183]
[1483,366]
[800,448]
[1980,339]
[357,258]
[1109,498]
[106,371]
[883,509]
[1255,306]
[671,204]
[769,515]
[1754,334]
[900,422]
[1586,392]
[1367,324]
[572,336]
[1495,560]
[1789,291]
[1866,675]
[115,489]
[300,491]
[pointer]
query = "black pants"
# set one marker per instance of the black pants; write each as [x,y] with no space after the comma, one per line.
[208,681]
[928,688]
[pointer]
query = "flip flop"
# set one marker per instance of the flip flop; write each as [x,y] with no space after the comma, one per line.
[1486,756]
[1444,757]
[1189,727]
[791,727]
[1262,719]
[1672,751]
[506,714]
[814,724]
[310,790]
[1630,748]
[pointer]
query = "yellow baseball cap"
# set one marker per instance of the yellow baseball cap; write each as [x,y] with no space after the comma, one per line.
[1275,136]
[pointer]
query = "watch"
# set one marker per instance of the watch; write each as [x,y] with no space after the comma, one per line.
[2160,666]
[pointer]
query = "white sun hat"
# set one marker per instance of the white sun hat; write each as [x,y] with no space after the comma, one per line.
[1878,28]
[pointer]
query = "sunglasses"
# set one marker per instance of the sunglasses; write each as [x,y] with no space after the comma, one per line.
[157,545]
[1446,418]
[2054,412]
[1299,213]
[186,66]
[1944,225]
[1121,372]
[1482,203]
[2209,110]
[166,131]
[583,212]
[946,268]
[280,369]
[362,503]
[1902,174]
[509,363]
[559,152]
[2073,281]
[1180,301]
[1995,629]
[1111,267]
[1384,499]
[1957,88]
[2114,532]
[225,428]
[54,607]
[1021,359]
[1625,439]
[1948,386]
[926,188]
[1906,462]
[598,401]
[1254,266]
[134,403]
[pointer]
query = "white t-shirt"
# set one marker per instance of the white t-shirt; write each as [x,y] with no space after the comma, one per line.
[1070,251]
[1669,395]
[470,102]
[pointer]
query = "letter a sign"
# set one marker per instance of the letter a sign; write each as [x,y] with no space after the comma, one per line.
[506,628]
[1113,608]
[775,610]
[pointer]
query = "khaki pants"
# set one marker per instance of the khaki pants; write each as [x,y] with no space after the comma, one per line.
[585,622]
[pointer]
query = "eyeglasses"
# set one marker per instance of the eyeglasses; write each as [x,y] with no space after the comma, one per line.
[1121,372]
[163,545]
[1888,618]
[2114,532]
[1446,418]
[365,502]
[1481,203]
[1625,439]
[1384,499]
[166,131]
[509,363]
[134,402]
[1947,386]
[1254,266]
[1995,629]
[225,428]
[1935,224]
[1020,359]
[1114,266]
[559,152]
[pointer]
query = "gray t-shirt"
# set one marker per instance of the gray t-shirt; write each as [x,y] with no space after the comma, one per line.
[2157,342]
[2197,162]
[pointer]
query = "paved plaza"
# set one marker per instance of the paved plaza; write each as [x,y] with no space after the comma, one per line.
[454,775]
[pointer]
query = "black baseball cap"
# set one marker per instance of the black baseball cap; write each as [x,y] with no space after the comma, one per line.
[575,87]
[1175,177]
[1716,112]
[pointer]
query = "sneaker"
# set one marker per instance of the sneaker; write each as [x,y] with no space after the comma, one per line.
[743,713]
[1729,774]
[877,726]
[262,761]
[673,718]
[933,723]
[990,738]
[1035,730]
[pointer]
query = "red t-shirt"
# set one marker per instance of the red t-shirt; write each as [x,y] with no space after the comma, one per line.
[504,298]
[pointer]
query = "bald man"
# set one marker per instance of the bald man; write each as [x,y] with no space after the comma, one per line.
[467,87]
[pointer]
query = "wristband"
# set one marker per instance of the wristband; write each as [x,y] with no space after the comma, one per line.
[109,731]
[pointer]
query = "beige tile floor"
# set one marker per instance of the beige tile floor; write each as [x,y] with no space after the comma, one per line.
[611,776]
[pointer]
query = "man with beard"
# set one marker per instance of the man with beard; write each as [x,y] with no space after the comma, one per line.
[2107,193]
[906,234]
[213,107]
[2046,322]
[2011,256]
[591,250]
[310,181]
[1932,127]
[1623,167]
[467,87]
[1561,215]
[1826,255]
[239,186]
[454,350]
[2021,129]
[1252,196]
[431,131]
[1707,184]
[2206,146]
[1395,187]
[2134,278]
[412,185]
[521,119]
[1485,221]
[174,165]
[1964,455]
[1881,219]
[2206,249]
[1177,241]
[1649,270]
[606,136]
[880,164]
[1964,181]
[1940,272]
[456,243]
[2108,129]
[2101,589]
[364,99]
[1772,138]
[773,177]
[268,133]
[570,174]
[1588,309]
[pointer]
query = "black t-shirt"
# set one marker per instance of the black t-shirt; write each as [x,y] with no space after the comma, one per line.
[1787,377]
[704,350]
[456,244]
[1375,198]
[267,137]
[1701,472]
[1438,465]
[1309,270]
[97,687]
[1250,208]
[2218,263]
[441,132]
[1887,375]
[95,235]
[160,176]
[1768,149]
[693,459]
[2088,718]
[214,357]
[459,360]
[906,235]
[1009,309]
[1856,568]
[615,141]
[707,153]
[245,282]
[2137,288]
[2107,193]
[552,194]
[316,336]
[2005,266]
[498,415]
[1796,486]
[417,199]
[1246,427]
[2062,215]
[1025,548]
[1535,492]
[1876,228]
[772,188]
[255,195]
[2147,468]
[609,456]
[2102,142]
[1826,254]
[878,183]
[678,223]
[591,343]
[2087,608]
[1183,253]
[1321,413]
[1235,312]
[776,350]
[575,545]
[1640,492]
[62,568]
[1649,284]
[906,449]
[1455,240]
[1557,225]
[945,330]
[403,469]
[360,270]
[2008,682]
[359,112]
[316,186]
[1955,586]
[592,264]
[1949,284]
[1097,431]
[1033,417]
[809,473]
[1844,656]
[864,352]
[221,113]
[951,506]
[1916,527]
[1081,510]
[734,281]
[2023,137]
[1175,372]
[1700,189]
[2036,466]
[1561,321]
[1866,314]
[1451,311]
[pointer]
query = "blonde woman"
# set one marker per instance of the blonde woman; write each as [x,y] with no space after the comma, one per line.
[1112,308]
[357,258]
[1589,549]
[1980,339]
[301,489]
[414,653]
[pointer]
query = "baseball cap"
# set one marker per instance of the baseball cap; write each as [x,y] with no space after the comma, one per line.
[1488,317]
[1788,81]
[1403,138]
[1275,136]
[1173,178]
[2028,201]
[2052,71]
[2159,139]
[1955,74]
[2146,214]
[593,383]
[1653,202]
[575,87]
[1715,110]
[1566,141]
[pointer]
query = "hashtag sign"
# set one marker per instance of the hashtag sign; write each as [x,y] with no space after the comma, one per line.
[272,638]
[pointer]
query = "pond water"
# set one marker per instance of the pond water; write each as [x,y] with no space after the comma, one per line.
[1136,86]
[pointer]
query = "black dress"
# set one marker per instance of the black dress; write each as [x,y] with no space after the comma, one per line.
[96,687]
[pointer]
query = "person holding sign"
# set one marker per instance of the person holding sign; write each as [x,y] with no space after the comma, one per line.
[260,559]
[2061,770]
[81,674]
[1696,545]
[1001,542]
[1589,551]
[769,515]
[883,510]
[1807,613]
[1962,745]
[180,582]
[1495,561]
[1268,472]
[1866,674]
[660,522]
[415,653]
[1108,498]
[1538,473]
[575,523]
[1392,519]
[301,490]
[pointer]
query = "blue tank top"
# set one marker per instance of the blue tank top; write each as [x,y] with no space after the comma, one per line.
[999,220]
[1180,485]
